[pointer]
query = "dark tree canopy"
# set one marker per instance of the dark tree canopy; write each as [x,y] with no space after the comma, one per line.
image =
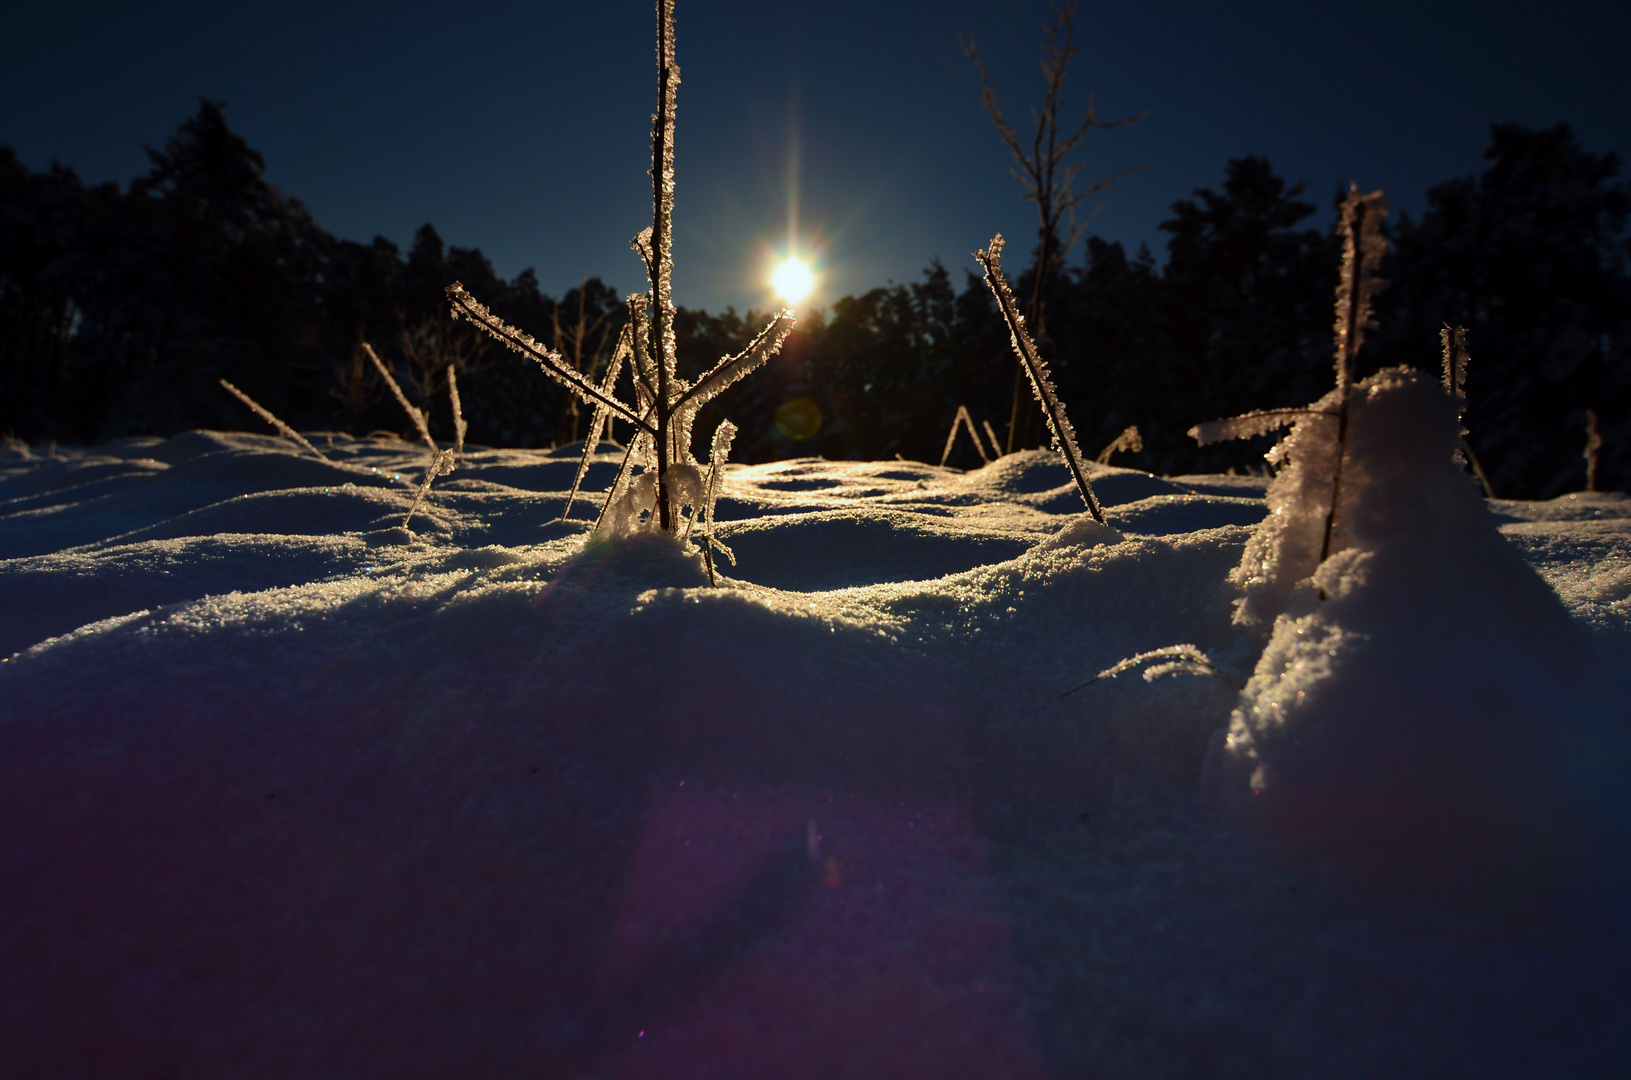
[1531,257]
[119,310]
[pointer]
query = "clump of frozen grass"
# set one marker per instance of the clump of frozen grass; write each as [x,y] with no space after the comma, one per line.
[959,422]
[266,414]
[1423,715]
[1064,436]
[669,491]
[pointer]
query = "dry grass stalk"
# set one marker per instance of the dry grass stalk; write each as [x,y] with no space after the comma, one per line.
[1064,436]
[1169,660]
[1128,442]
[441,461]
[415,415]
[600,417]
[1456,357]
[958,422]
[1362,249]
[459,425]
[266,414]
[1594,444]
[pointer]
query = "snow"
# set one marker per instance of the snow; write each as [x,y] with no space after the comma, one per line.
[1425,709]
[288,789]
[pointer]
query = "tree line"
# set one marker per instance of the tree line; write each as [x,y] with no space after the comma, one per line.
[121,307]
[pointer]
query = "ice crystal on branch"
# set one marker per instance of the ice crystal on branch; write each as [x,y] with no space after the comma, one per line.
[665,405]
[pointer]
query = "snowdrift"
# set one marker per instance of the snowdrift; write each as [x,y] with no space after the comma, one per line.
[290,790]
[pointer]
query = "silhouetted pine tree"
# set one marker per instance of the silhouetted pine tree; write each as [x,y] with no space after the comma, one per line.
[1531,258]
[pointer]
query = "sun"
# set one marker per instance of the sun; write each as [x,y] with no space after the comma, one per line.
[792,279]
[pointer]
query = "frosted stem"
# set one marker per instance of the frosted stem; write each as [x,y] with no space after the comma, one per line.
[553,364]
[459,426]
[958,422]
[662,243]
[1064,436]
[417,416]
[266,414]
[440,464]
[718,455]
[1362,249]
[599,419]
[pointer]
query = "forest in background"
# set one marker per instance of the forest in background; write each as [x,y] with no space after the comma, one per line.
[122,307]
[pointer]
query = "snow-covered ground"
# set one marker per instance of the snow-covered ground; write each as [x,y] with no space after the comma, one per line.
[288,790]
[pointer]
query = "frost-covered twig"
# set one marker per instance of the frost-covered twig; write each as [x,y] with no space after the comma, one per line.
[1594,443]
[717,456]
[665,405]
[416,415]
[553,364]
[958,422]
[732,369]
[441,461]
[1128,442]
[440,465]
[1456,357]
[459,425]
[640,440]
[1064,436]
[1175,660]
[266,414]
[1362,249]
[996,449]
[1249,425]
[662,245]
[1046,174]
[597,422]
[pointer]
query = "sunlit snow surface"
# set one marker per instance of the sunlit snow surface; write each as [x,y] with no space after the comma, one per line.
[286,790]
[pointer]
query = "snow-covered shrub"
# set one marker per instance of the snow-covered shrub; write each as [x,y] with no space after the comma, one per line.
[1424,711]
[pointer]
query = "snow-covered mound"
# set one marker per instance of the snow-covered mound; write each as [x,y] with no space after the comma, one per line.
[289,790]
[1425,712]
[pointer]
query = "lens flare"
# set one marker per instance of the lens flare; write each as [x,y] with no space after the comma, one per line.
[792,279]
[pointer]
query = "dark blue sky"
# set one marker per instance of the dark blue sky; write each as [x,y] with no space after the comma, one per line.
[522,128]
